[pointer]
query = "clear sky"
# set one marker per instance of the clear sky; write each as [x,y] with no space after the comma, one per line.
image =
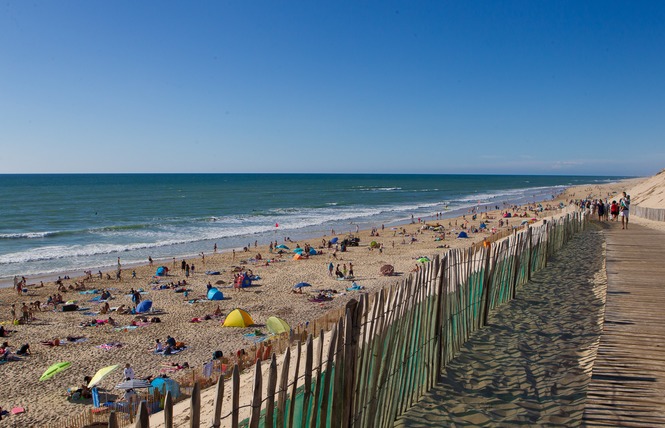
[522,87]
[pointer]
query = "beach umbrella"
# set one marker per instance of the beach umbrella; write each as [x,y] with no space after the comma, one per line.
[298,250]
[282,246]
[101,374]
[524,222]
[302,284]
[133,384]
[55,369]
[334,240]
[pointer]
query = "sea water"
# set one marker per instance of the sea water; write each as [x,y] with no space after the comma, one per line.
[57,223]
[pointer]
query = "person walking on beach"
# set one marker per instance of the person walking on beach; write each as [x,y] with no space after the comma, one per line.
[624,203]
[600,209]
[614,210]
[331,268]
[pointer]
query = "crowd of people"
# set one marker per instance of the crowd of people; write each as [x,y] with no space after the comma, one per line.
[606,210]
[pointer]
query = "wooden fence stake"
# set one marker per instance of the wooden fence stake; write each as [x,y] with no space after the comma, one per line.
[270,393]
[142,417]
[256,399]
[113,420]
[219,399]
[195,409]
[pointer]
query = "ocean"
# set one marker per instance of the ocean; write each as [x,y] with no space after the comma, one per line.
[58,223]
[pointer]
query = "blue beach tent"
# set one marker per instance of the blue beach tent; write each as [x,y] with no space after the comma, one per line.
[161,271]
[164,385]
[215,294]
[144,306]
[462,235]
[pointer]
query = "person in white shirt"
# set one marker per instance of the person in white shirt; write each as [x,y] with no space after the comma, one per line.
[128,373]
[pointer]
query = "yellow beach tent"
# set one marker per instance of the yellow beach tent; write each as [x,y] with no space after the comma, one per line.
[238,318]
[277,325]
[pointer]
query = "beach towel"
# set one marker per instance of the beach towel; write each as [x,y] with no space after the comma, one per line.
[173,351]
[72,340]
[256,338]
[126,328]
[110,345]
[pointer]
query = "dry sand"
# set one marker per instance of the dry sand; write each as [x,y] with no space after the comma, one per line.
[531,364]
[46,401]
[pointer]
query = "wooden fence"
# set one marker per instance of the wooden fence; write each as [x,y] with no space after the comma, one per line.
[655,214]
[385,350]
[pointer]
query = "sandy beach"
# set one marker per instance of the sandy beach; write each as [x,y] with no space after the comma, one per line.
[46,402]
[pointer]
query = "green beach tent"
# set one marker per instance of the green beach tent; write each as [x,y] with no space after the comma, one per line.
[277,325]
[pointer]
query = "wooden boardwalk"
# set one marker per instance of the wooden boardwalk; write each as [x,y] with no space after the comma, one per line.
[628,382]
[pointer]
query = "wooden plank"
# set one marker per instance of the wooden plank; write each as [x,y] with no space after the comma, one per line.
[307,392]
[283,385]
[294,388]
[270,392]
[168,410]
[319,364]
[219,400]
[323,412]
[256,397]
[338,378]
[629,372]
[142,416]
[195,407]
[369,344]
[113,420]
[235,396]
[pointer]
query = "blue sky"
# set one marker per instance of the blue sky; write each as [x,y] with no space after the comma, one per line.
[532,87]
